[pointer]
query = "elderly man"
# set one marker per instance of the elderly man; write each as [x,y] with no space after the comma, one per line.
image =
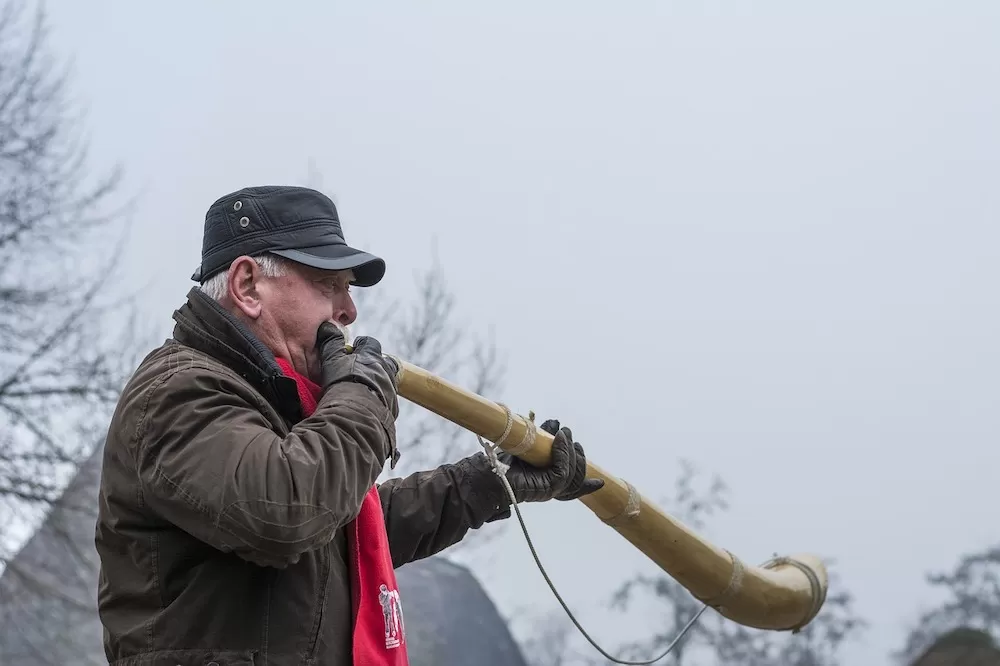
[241,521]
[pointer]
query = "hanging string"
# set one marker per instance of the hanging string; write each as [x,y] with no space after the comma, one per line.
[500,468]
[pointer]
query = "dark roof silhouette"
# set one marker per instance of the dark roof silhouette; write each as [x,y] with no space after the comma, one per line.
[961,647]
[48,598]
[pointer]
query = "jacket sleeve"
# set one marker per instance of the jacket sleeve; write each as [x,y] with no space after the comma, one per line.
[429,511]
[209,462]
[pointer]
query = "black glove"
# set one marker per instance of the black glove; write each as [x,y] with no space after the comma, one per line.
[563,480]
[365,364]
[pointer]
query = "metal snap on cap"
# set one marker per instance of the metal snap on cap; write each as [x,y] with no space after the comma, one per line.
[244,222]
[237,205]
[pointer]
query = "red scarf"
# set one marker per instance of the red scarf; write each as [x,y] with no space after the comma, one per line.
[378,617]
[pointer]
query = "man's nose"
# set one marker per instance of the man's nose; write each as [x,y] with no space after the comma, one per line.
[345,313]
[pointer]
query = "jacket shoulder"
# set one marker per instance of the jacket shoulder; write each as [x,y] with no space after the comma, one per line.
[170,367]
[173,359]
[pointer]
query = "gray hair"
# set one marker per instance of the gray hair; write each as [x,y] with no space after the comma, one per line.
[271,265]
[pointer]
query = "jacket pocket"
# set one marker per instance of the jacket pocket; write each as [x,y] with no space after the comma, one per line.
[196,657]
[323,591]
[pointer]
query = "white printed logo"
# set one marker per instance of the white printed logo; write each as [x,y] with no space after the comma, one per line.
[392,615]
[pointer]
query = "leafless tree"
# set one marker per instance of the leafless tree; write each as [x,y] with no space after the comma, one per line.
[714,640]
[550,642]
[694,506]
[818,644]
[971,603]
[64,336]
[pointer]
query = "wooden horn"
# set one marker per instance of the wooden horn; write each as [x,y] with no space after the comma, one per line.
[785,593]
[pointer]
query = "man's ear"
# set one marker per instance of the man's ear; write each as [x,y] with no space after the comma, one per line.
[243,278]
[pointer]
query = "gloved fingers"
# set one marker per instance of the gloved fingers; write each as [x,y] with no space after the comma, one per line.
[551,426]
[368,344]
[329,332]
[563,467]
[563,457]
[330,343]
[567,432]
[392,363]
[579,469]
[587,487]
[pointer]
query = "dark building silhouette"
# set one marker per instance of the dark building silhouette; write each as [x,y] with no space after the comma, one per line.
[48,595]
[961,647]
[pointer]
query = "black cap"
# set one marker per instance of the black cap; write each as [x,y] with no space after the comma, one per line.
[296,223]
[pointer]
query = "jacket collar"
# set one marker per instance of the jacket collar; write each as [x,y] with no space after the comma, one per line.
[206,326]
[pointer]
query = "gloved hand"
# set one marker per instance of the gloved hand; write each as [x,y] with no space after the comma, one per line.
[563,480]
[364,364]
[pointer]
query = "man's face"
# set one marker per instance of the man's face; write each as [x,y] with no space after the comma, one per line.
[295,304]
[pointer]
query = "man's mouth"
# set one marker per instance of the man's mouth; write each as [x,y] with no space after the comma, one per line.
[344,330]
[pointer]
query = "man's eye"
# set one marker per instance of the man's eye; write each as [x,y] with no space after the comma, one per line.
[336,286]
[332,285]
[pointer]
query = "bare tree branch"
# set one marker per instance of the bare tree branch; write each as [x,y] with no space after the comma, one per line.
[66,341]
[818,644]
[972,602]
[550,642]
[714,639]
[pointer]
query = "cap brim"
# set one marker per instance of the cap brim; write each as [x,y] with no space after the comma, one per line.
[368,269]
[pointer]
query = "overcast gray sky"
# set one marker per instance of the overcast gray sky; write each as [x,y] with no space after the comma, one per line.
[764,239]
